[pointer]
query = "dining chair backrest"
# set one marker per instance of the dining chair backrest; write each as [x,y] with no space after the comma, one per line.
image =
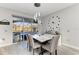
[27,38]
[31,41]
[54,42]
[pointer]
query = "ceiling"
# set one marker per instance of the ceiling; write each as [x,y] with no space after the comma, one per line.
[30,10]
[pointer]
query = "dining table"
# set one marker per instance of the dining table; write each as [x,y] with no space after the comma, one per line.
[42,39]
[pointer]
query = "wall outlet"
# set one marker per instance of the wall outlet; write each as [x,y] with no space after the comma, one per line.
[3,39]
[67,40]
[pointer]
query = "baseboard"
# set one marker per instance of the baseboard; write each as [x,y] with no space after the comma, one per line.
[6,45]
[71,46]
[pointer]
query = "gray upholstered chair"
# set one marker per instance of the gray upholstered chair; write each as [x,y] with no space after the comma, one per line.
[51,47]
[34,45]
[28,46]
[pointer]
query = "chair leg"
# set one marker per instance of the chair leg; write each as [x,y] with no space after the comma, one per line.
[56,52]
[50,53]
[30,48]
[27,46]
[33,51]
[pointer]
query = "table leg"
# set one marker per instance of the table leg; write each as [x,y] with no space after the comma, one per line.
[41,53]
[56,52]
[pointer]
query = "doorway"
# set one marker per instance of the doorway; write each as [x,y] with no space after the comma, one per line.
[22,27]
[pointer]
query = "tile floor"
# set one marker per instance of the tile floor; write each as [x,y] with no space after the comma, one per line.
[21,49]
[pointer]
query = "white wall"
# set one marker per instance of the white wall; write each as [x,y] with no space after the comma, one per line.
[6,30]
[69,26]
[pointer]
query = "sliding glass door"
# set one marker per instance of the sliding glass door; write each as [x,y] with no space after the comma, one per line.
[21,27]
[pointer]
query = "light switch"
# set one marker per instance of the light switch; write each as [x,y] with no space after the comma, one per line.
[68,30]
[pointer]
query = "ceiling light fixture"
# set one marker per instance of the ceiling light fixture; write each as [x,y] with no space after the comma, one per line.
[37,4]
[37,14]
